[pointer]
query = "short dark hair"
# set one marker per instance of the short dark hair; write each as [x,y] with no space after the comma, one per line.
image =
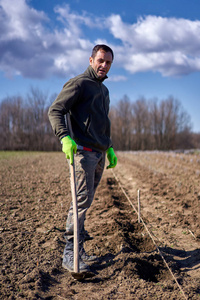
[101,47]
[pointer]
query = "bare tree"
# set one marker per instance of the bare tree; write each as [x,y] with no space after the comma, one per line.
[121,120]
[5,130]
[142,122]
[12,123]
[148,125]
[169,120]
[24,124]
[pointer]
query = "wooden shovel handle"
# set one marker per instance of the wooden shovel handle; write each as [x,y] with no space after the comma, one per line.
[75,206]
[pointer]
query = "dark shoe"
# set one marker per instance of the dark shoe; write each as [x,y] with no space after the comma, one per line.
[85,257]
[68,260]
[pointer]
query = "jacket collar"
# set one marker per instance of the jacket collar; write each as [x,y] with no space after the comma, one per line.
[91,73]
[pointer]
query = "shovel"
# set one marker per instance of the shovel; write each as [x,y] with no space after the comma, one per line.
[76,274]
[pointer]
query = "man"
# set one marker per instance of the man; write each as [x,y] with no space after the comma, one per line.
[86,98]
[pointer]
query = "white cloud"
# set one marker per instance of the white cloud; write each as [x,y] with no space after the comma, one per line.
[19,21]
[167,45]
[156,33]
[175,64]
[29,47]
[73,20]
[116,78]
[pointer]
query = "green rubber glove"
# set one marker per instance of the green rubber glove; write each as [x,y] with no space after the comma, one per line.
[69,147]
[112,158]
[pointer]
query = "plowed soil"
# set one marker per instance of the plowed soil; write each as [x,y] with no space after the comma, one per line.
[158,258]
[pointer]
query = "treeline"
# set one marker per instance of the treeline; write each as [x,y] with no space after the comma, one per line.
[152,125]
[139,125]
[24,123]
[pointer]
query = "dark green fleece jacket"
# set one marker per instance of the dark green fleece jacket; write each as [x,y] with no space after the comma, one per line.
[87,100]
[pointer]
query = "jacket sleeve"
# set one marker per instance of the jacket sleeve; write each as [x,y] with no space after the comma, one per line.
[108,128]
[61,106]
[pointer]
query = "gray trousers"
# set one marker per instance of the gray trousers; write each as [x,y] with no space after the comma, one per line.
[89,168]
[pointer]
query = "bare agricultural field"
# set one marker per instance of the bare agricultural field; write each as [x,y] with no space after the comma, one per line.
[34,199]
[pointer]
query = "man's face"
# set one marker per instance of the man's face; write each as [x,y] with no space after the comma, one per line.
[101,63]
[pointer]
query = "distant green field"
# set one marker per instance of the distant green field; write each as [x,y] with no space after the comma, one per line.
[11,154]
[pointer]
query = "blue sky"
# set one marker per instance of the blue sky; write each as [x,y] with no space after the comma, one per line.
[156,44]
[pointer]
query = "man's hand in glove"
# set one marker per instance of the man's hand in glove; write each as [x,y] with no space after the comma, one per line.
[69,147]
[112,158]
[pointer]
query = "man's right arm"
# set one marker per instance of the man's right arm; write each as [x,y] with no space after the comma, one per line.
[69,147]
[61,106]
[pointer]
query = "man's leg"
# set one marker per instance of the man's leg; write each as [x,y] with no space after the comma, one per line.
[97,177]
[84,234]
[88,170]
